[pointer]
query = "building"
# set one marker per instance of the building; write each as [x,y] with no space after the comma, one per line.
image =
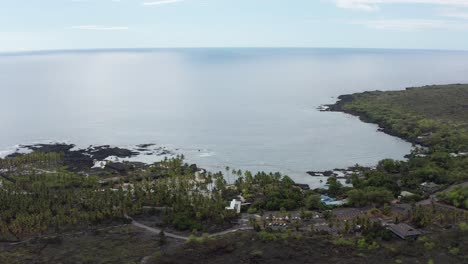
[331,201]
[406,194]
[235,205]
[346,213]
[404,231]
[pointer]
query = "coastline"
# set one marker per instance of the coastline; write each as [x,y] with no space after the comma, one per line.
[339,106]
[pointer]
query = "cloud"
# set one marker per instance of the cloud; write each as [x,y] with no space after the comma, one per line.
[372,5]
[411,24]
[161,2]
[99,27]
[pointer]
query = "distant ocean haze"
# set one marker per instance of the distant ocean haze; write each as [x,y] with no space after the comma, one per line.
[249,109]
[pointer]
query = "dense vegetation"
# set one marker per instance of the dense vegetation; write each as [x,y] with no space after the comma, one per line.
[457,197]
[435,117]
[271,191]
[39,196]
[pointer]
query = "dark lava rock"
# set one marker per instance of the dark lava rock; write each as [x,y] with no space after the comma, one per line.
[74,160]
[165,152]
[145,146]
[328,173]
[193,168]
[13,155]
[304,187]
[6,177]
[47,148]
[116,166]
[83,159]
[102,152]
[77,161]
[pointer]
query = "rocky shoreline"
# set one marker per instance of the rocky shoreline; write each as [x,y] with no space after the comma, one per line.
[339,106]
[96,158]
[337,173]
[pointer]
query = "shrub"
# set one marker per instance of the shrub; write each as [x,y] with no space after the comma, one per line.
[252,210]
[266,236]
[463,226]
[341,241]
[373,246]
[429,245]
[194,239]
[454,251]
[361,243]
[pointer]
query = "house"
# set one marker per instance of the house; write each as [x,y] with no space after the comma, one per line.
[235,205]
[346,213]
[406,194]
[404,231]
[322,226]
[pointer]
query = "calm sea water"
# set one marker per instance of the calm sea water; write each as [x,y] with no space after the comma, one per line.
[247,108]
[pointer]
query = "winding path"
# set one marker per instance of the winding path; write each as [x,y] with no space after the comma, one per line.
[185,238]
[433,198]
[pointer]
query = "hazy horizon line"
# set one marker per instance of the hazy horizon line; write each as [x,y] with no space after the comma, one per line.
[149,49]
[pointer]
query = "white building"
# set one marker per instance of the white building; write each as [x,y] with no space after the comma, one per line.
[235,205]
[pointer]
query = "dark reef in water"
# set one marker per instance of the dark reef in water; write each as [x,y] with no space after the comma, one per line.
[81,159]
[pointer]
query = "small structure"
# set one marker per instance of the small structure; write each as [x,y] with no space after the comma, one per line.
[241,198]
[406,194]
[324,227]
[460,154]
[404,231]
[331,201]
[235,205]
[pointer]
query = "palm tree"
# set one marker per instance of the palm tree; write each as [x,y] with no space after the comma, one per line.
[227,174]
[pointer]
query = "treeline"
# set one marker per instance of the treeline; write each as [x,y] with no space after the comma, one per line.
[272,191]
[44,202]
[457,197]
[42,208]
[32,160]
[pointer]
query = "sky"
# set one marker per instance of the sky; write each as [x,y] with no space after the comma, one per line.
[101,24]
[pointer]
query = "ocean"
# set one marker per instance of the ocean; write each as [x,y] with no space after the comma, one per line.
[249,109]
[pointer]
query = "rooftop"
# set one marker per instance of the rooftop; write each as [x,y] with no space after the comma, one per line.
[347,213]
[403,230]
[401,208]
